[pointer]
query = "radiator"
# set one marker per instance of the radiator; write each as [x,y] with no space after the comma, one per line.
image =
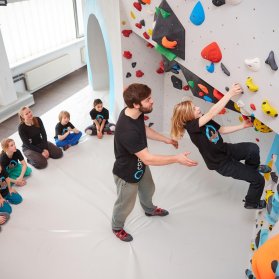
[47,73]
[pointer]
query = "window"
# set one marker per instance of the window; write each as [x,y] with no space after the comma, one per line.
[31,28]
[78,18]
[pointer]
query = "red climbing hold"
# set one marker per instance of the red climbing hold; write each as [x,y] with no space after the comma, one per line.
[127,54]
[212,53]
[223,111]
[145,117]
[146,36]
[149,45]
[137,5]
[138,25]
[257,140]
[218,95]
[160,70]
[252,106]
[139,73]
[201,94]
[186,87]
[126,32]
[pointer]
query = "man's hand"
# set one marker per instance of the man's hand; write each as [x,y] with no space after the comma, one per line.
[236,89]
[173,142]
[184,160]
[247,123]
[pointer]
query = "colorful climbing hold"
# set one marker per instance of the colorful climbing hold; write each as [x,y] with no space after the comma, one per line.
[252,106]
[132,15]
[218,3]
[176,82]
[149,45]
[168,44]
[127,32]
[142,22]
[271,61]
[138,25]
[261,127]
[268,109]
[253,64]
[257,139]
[127,54]
[139,73]
[160,70]
[146,1]
[210,68]
[128,75]
[212,53]
[203,88]
[237,108]
[251,85]
[225,70]
[163,13]
[137,5]
[201,94]
[145,117]
[149,32]
[146,36]
[208,99]
[168,54]
[191,83]
[223,111]
[197,16]
[134,64]
[218,95]
[186,87]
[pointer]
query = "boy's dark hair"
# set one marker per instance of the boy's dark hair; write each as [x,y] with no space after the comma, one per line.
[135,93]
[97,102]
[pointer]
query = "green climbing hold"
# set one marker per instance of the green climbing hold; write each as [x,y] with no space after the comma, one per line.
[164,51]
[164,13]
[191,83]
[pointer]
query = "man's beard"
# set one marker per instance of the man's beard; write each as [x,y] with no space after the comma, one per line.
[145,110]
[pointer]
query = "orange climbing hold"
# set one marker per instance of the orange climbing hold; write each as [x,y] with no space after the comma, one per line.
[212,53]
[168,44]
[146,1]
[203,88]
[218,95]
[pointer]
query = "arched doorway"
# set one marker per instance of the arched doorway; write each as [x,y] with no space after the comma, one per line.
[97,55]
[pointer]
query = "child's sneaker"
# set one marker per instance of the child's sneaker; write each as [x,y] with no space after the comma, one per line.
[158,212]
[264,169]
[260,205]
[88,132]
[122,235]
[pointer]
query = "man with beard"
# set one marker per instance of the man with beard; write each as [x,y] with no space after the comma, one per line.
[131,172]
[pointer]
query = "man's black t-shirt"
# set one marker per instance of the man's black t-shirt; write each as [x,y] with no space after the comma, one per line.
[209,142]
[99,116]
[129,138]
[60,129]
[4,190]
[34,138]
[9,163]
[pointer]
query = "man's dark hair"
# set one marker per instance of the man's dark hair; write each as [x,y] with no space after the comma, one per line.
[135,93]
[97,102]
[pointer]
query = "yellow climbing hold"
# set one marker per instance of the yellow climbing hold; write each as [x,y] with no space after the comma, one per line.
[240,118]
[132,15]
[236,107]
[267,175]
[259,126]
[150,32]
[251,85]
[268,193]
[268,109]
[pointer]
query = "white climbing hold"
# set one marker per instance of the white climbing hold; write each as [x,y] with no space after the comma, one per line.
[233,2]
[253,64]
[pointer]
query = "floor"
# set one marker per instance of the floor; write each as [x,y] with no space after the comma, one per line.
[62,229]
[48,97]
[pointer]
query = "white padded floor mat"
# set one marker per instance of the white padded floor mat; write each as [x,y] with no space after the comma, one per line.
[62,228]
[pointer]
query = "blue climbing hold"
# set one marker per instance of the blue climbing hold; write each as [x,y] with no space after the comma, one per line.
[210,68]
[197,16]
[208,99]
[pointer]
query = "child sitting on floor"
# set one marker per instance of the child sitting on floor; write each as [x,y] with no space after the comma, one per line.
[220,156]
[7,193]
[100,116]
[66,134]
[13,162]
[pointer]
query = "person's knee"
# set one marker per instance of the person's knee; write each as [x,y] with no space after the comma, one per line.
[42,164]
[254,148]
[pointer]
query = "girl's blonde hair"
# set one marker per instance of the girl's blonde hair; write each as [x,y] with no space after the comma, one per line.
[63,113]
[182,113]
[5,144]
[21,119]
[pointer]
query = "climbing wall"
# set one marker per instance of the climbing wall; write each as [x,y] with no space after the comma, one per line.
[200,49]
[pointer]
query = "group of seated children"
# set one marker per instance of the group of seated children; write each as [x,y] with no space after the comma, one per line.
[36,148]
